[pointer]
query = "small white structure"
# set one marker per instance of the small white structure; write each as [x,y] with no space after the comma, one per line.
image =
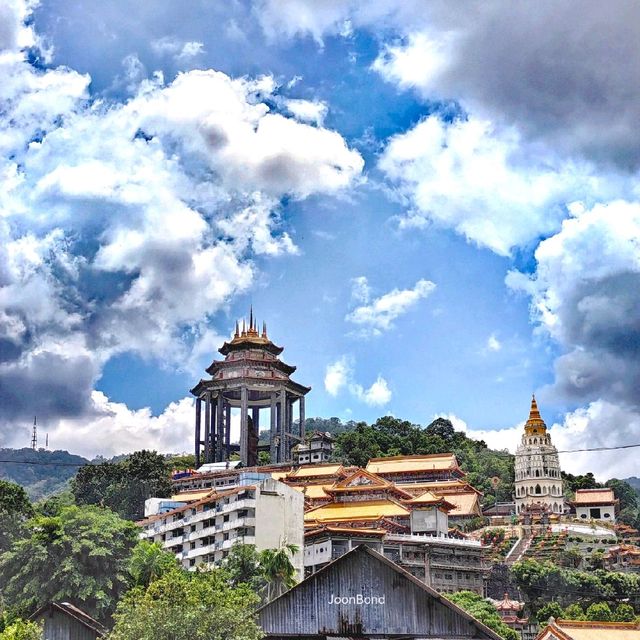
[538,482]
[154,506]
[317,449]
[595,504]
[259,510]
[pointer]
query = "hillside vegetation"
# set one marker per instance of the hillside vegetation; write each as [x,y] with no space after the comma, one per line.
[42,473]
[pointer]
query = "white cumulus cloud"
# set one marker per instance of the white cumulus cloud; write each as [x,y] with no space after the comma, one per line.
[377,315]
[470,177]
[339,375]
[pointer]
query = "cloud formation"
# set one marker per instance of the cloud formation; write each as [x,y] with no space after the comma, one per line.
[125,225]
[377,315]
[339,375]
[559,72]
[469,177]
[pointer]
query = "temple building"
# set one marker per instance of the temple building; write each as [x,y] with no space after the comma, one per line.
[538,482]
[596,504]
[251,378]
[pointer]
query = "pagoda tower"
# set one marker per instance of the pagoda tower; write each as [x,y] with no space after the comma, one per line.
[538,482]
[252,378]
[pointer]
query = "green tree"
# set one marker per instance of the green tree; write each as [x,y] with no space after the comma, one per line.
[80,556]
[483,611]
[123,486]
[182,462]
[185,605]
[550,609]
[242,564]
[15,509]
[574,612]
[52,505]
[22,630]
[599,612]
[149,562]
[277,570]
[624,613]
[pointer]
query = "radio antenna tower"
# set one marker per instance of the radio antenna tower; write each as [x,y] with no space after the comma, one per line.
[34,437]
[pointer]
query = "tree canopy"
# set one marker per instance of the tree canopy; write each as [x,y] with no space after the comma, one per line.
[123,486]
[184,605]
[483,611]
[80,556]
[539,581]
[15,509]
[149,562]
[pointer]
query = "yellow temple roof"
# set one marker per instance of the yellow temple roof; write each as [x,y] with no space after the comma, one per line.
[191,496]
[356,511]
[408,464]
[313,491]
[315,470]
[465,504]
[584,630]
[535,424]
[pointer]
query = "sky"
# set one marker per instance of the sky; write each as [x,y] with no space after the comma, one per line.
[434,206]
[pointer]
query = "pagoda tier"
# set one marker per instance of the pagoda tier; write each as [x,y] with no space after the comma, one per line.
[251,378]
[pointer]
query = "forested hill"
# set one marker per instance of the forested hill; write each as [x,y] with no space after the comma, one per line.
[41,473]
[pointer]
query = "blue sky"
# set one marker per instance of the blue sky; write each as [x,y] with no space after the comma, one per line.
[436,212]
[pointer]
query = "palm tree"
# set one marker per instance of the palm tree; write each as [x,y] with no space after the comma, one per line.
[149,561]
[278,570]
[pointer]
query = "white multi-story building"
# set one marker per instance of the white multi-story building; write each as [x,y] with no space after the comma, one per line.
[317,448]
[538,481]
[258,510]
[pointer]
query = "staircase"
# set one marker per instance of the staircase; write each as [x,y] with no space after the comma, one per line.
[519,548]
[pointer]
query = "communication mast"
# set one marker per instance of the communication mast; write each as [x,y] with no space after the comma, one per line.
[34,436]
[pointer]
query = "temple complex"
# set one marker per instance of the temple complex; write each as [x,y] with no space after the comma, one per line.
[251,378]
[538,482]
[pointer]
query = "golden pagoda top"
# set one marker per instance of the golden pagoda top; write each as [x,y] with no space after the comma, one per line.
[535,425]
[250,336]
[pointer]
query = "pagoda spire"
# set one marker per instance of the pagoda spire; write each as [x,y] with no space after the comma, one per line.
[237,333]
[535,423]
[264,329]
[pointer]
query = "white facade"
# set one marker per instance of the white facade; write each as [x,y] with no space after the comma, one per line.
[266,514]
[538,480]
[318,449]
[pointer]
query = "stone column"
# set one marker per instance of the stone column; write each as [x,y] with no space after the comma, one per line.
[301,418]
[284,427]
[227,430]
[244,433]
[273,452]
[207,427]
[198,430]
[220,428]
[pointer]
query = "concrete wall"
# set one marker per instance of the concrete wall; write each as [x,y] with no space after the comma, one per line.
[280,520]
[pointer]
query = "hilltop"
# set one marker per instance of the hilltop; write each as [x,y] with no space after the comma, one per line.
[41,473]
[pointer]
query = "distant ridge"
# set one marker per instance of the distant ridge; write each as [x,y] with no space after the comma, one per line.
[41,478]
